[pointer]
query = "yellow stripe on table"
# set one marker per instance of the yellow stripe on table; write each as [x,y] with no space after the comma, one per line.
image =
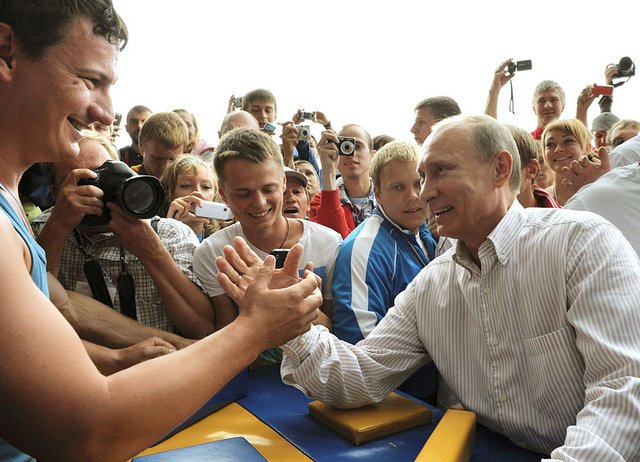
[233,420]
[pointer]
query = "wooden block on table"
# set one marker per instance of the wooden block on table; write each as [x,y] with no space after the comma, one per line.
[393,414]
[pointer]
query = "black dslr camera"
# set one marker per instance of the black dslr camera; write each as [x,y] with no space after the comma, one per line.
[626,68]
[524,65]
[140,196]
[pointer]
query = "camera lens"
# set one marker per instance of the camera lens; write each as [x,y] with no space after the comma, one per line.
[142,196]
[626,67]
[347,148]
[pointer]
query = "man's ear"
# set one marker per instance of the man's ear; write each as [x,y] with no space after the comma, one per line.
[7,50]
[376,193]
[533,168]
[503,166]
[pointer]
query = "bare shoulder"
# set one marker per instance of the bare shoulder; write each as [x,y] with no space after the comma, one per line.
[11,241]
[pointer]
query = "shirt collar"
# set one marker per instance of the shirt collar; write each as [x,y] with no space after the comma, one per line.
[379,209]
[499,241]
[344,199]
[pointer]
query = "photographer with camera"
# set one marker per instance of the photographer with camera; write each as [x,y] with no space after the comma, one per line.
[548,97]
[345,202]
[166,293]
[296,137]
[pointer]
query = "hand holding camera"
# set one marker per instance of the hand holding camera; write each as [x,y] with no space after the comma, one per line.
[234,103]
[139,196]
[328,151]
[184,209]
[75,200]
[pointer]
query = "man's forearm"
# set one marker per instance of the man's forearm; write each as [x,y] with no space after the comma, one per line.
[101,324]
[491,107]
[188,308]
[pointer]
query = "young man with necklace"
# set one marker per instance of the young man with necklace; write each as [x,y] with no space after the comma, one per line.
[252,181]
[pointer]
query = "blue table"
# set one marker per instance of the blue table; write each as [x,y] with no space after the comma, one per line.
[284,409]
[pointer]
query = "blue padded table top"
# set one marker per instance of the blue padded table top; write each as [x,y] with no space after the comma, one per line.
[284,409]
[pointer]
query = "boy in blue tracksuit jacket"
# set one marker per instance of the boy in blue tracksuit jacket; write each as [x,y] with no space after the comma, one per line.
[384,253]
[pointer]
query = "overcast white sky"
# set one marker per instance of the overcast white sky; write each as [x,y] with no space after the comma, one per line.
[368,62]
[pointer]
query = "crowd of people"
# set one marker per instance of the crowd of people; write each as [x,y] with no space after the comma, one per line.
[483,266]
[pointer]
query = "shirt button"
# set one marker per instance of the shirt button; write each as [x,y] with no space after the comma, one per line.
[495,342]
[487,290]
[301,341]
[503,397]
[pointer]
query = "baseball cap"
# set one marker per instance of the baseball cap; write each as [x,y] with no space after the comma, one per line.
[604,122]
[291,173]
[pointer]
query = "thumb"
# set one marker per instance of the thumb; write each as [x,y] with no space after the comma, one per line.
[603,153]
[265,273]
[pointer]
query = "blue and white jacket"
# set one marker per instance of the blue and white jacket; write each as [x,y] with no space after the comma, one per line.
[375,263]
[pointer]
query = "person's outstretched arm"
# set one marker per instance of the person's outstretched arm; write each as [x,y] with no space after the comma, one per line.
[49,382]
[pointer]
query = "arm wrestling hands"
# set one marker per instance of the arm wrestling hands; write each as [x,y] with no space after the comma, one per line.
[284,304]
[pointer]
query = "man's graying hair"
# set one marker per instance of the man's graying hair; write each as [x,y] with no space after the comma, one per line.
[487,137]
[41,24]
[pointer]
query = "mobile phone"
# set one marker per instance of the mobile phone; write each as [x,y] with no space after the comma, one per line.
[215,210]
[281,256]
[117,119]
[606,90]
[269,128]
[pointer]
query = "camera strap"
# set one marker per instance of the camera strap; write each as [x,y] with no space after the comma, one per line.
[512,105]
[94,273]
[96,276]
[126,289]
[617,84]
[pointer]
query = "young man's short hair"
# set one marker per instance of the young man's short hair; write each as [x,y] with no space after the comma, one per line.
[167,128]
[528,148]
[441,107]
[366,133]
[259,94]
[381,140]
[139,109]
[246,144]
[395,150]
[40,25]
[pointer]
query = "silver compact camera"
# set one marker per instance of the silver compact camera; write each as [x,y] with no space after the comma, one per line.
[308,116]
[304,132]
[346,145]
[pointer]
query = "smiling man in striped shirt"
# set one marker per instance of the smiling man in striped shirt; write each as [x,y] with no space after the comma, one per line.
[532,318]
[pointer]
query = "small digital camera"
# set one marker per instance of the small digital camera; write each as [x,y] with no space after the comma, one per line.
[215,210]
[117,119]
[524,65]
[346,145]
[269,128]
[308,116]
[281,256]
[304,132]
[238,102]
